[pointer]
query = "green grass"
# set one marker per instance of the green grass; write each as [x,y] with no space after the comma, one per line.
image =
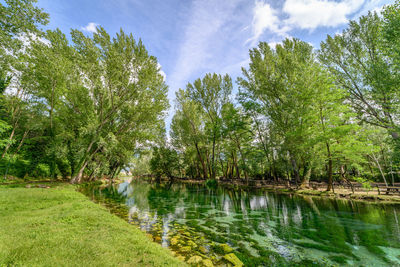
[61,227]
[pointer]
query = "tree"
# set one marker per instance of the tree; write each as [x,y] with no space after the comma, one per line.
[344,140]
[126,92]
[391,34]
[283,82]
[20,22]
[164,162]
[50,74]
[235,128]
[211,93]
[187,129]
[357,60]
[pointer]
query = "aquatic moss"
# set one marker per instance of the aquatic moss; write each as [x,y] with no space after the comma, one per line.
[309,263]
[209,223]
[260,231]
[221,228]
[270,260]
[236,237]
[326,248]
[338,259]
[217,249]
[192,223]
[217,238]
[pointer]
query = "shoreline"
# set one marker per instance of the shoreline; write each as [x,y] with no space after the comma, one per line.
[371,197]
[345,194]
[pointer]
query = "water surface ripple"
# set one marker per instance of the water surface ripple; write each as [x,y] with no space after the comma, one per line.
[261,228]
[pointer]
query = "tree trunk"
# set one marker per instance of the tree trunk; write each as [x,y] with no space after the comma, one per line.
[295,168]
[9,143]
[213,159]
[79,176]
[201,161]
[305,183]
[236,167]
[209,165]
[330,163]
[228,173]
[380,169]
[343,175]
[244,162]
[20,143]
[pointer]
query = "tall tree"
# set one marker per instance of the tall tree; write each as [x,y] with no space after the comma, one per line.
[127,93]
[283,82]
[187,129]
[358,62]
[20,22]
[211,93]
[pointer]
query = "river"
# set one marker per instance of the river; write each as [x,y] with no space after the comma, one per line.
[261,228]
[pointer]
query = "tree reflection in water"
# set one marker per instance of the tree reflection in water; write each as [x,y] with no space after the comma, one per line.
[263,228]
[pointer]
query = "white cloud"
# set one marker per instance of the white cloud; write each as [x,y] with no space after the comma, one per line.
[91,27]
[208,26]
[161,71]
[274,44]
[305,14]
[202,33]
[371,5]
[310,14]
[265,18]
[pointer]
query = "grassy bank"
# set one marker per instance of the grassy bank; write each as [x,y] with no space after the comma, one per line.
[60,227]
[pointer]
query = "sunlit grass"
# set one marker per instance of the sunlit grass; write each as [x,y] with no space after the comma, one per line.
[60,227]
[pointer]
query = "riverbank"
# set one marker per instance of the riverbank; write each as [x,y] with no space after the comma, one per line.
[340,193]
[371,196]
[53,225]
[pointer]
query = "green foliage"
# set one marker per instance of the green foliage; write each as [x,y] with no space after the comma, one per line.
[42,170]
[164,162]
[84,107]
[80,108]
[301,114]
[365,183]
[391,33]
[357,60]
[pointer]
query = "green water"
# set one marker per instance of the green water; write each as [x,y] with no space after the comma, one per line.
[261,228]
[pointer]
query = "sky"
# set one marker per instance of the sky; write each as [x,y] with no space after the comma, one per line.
[193,37]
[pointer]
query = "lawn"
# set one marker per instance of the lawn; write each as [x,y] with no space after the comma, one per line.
[60,227]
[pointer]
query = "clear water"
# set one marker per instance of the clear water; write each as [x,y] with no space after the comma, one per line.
[261,228]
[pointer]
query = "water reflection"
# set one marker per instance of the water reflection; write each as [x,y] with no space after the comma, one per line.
[263,228]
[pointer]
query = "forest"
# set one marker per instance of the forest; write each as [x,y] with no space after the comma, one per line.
[83,107]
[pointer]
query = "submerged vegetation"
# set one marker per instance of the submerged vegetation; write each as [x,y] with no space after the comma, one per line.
[254,227]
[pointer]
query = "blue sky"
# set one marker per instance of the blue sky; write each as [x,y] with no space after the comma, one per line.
[193,37]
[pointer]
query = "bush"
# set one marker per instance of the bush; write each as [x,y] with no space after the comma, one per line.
[365,183]
[42,170]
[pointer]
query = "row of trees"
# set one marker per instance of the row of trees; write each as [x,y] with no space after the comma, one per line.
[76,109]
[300,114]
